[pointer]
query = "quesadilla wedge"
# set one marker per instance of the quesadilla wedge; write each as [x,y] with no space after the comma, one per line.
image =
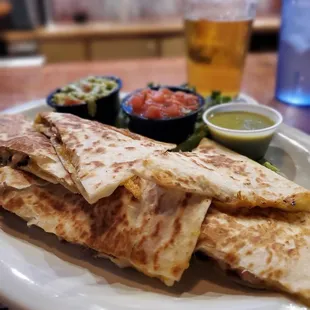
[264,247]
[157,235]
[232,180]
[24,148]
[98,157]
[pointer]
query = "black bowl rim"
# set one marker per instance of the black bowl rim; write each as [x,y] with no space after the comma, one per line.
[112,77]
[201,101]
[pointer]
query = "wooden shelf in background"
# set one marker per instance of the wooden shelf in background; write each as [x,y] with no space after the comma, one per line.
[100,41]
[156,28]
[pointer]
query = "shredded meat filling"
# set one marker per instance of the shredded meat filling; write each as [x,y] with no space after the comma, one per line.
[15,160]
[5,157]
[242,276]
[239,275]
[246,278]
[20,160]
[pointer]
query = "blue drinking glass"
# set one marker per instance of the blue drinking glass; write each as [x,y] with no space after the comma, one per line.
[293,75]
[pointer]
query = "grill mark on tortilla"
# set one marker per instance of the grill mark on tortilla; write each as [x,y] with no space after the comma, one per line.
[139,253]
[97,163]
[117,167]
[187,197]
[220,160]
[232,258]
[100,150]
[176,270]
[95,143]
[156,230]
[200,165]
[206,149]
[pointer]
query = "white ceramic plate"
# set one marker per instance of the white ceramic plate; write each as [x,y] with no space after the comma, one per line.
[39,272]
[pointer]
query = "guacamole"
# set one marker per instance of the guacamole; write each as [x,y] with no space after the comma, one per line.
[87,90]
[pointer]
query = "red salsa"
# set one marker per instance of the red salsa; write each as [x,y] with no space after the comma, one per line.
[162,103]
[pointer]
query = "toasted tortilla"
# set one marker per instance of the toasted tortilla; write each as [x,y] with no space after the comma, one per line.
[232,180]
[157,234]
[24,148]
[264,246]
[98,157]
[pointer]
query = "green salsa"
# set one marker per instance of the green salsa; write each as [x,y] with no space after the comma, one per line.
[240,120]
[251,144]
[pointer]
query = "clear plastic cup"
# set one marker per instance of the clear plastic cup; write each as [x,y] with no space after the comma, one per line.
[251,143]
[293,75]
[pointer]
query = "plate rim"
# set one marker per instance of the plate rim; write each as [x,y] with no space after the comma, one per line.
[28,301]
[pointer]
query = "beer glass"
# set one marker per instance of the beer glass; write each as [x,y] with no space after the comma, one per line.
[217,36]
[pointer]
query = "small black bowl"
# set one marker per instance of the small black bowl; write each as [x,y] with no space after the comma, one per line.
[107,106]
[173,130]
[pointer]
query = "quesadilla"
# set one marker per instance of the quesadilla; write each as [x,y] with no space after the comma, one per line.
[266,247]
[157,234]
[232,180]
[98,157]
[24,148]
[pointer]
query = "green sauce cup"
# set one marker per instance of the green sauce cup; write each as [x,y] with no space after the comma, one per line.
[251,143]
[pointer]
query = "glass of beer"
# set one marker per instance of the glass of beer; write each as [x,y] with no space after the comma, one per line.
[217,36]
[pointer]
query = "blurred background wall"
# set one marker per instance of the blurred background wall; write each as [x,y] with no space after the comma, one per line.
[120,10]
[77,30]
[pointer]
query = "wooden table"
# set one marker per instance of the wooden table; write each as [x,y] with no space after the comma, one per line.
[24,84]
